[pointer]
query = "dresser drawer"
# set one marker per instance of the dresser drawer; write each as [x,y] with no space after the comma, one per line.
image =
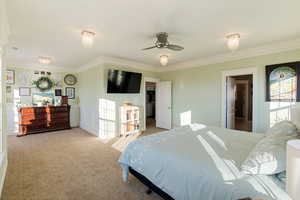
[57,109]
[57,115]
[33,117]
[34,122]
[32,129]
[57,125]
[32,110]
[58,121]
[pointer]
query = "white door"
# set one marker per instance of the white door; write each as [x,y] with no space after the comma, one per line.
[163,105]
[230,102]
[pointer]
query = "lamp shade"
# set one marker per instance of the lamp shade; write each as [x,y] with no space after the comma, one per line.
[293,169]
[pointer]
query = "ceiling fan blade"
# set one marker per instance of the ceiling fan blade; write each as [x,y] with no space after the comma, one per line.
[149,48]
[174,47]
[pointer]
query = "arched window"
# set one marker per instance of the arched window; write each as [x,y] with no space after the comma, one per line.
[282,82]
[282,90]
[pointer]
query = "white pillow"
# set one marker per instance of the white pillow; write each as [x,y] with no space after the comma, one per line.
[269,155]
[295,117]
[283,128]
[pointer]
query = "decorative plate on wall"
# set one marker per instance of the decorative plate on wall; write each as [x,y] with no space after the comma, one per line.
[70,79]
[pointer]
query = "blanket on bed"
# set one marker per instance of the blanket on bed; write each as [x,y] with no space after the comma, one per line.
[197,162]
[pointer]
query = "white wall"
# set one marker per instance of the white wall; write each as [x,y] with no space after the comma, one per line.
[196,94]
[197,91]
[4,31]
[99,111]
[24,78]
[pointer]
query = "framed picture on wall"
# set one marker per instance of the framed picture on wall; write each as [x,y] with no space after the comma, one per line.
[70,92]
[58,92]
[24,91]
[283,82]
[8,89]
[10,77]
[43,98]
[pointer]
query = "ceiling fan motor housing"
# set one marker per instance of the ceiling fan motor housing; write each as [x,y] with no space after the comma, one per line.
[162,39]
[162,42]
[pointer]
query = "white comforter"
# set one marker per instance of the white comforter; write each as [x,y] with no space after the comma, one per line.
[200,163]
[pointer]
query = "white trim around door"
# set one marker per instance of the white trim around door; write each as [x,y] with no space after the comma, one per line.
[152,80]
[238,72]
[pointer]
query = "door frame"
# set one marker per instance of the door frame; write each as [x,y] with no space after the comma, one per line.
[230,103]
[238,72]
[152,80]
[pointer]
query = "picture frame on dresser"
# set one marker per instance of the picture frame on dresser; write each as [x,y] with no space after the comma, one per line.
[70,92]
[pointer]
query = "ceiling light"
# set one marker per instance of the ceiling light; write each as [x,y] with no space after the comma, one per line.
[233,41]
[87,38]
[44,60]
[164,59]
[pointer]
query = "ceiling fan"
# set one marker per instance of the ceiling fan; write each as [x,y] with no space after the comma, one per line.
[162,42]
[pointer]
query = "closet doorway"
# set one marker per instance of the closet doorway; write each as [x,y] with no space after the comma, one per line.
[239,102]
[150,90]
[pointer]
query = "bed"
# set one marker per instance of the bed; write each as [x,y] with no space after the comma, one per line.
[198,162]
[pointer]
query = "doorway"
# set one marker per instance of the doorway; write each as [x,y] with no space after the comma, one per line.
[239,102]
[157,104]
[150,88]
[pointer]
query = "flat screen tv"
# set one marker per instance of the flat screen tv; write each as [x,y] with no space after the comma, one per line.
[123,82]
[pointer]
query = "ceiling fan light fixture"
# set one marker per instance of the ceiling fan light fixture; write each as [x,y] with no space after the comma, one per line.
[162,42]
[164,59]
[233,41]
[87,38]
[45,60]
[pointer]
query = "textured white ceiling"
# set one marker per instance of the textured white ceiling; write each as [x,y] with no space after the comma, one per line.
[123,27]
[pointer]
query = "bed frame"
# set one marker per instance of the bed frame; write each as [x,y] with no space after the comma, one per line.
[150,185]
[154,188]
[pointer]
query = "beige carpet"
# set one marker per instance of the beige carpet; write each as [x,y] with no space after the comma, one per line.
[68,165]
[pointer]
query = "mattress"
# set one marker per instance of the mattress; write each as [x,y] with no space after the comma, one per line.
[200,162]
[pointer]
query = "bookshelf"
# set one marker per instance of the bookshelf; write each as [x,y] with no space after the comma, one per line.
[130,120]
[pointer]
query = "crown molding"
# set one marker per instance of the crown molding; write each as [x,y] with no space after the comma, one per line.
[237,55]
[201,62]
[101,60]
[51,68]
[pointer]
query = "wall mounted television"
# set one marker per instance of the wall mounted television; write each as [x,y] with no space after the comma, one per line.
[123,81]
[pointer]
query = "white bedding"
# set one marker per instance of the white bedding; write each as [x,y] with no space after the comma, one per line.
[200,163]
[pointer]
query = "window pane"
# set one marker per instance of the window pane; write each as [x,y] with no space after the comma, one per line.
[283,84]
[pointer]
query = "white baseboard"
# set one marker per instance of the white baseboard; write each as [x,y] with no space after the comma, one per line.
[12,133]
[89,130]
[4,166]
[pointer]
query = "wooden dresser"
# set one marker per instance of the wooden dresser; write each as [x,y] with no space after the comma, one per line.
[42,119]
